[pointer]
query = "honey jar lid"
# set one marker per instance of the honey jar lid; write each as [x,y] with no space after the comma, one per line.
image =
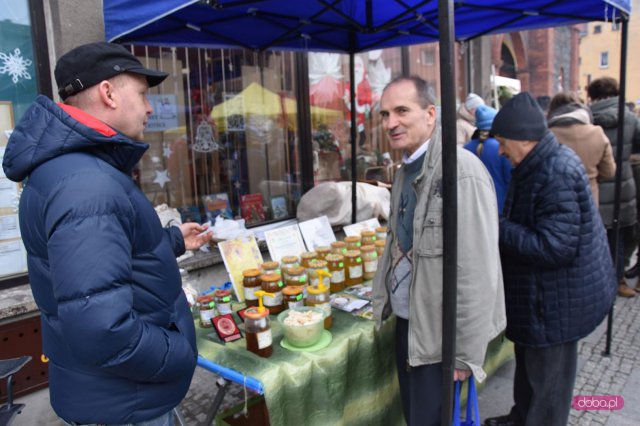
[222,293]
[270,277]
[323,249]
[253,272]
[308,255]
[352,239]
[255,313]
[338,244]
[289,259]
[270,265]
[292,290]
[367,233]
[368,248]
[334,257]
[352,253]
[381,229]
[317,264]
[296,270]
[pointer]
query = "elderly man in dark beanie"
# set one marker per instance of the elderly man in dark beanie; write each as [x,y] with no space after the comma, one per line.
[116,325]
[558,273]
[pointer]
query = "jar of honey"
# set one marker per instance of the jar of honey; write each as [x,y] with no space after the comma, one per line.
[293,297]
[223,301]
[270,268]
[288,262]
[368,237]
[338,247]
[272,283]
[320,298]
[322,251]
[307,257]
[257,327]
[298,278]
[380,246]
[206,306]
[369,261]
[353,268]
[251,282]
[381,233]
[314,277]
[335,263]
[353,242]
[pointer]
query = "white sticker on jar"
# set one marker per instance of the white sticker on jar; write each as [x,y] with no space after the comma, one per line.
[371,266]
[355,271]
[276,300]
[205,316]
[250,293]
[264,339]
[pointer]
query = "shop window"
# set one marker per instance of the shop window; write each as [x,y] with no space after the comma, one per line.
[604,59]
[597,29]
[18,89]
[329,88]
[223,137]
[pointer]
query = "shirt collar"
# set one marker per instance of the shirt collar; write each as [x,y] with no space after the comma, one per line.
[410,159]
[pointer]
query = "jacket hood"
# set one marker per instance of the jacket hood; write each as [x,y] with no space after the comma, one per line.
[569,114]
[605,113]
[47,131]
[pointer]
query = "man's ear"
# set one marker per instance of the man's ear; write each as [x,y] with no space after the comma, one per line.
[105,89]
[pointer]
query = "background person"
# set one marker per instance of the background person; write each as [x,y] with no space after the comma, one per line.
[409,278]
[116,326]
[466,121]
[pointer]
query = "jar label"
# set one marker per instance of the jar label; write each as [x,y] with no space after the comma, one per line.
[264,339]
[224,308]
[355,271]
[297,303]
[337,276]
[371,266]
[205,316]
[276,300]
[382,235]
[250,293]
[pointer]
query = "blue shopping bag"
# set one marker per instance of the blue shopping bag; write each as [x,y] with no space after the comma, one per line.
[473,412]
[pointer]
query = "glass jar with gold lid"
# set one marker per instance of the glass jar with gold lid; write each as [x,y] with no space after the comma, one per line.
[338,247]
[297,277]
[272,283]
[353,268]
[368,237]
[320,298]
[322,251]
[293,297]
[251,282]
[381,232]
[353,242]
[313,272]
[270,268]
[335,263]
[306,257]
[380,246]
[288,262]
[369,261]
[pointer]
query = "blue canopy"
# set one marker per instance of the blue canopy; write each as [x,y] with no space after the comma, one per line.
[347,26]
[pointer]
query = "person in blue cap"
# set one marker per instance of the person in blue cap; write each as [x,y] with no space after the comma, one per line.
[116,325]
[486,147]
[559,280]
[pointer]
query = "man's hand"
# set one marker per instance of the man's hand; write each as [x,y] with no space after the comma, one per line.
[460,375]
[191,233]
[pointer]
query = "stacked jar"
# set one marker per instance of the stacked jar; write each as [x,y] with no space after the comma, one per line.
[353,242]
[353,268]
[320,298]
[369,261]
[307,257]
[251,282]
[314,277]
[322,252]
[272,283]
[288,262]
[368,237]
[297,277]
[293,297]
[270,268]
[380,246]
[335,263]
[381,233]
[338,247]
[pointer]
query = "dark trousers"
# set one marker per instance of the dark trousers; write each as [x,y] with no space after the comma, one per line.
[420,387]
[626,245]
[543,384]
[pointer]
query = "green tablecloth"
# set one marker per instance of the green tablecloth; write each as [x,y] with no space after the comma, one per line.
[351,382]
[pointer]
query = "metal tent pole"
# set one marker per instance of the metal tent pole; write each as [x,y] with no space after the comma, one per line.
[619,152]
[450,203]
[354,135]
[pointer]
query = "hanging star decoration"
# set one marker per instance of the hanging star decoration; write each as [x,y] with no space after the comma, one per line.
[166,152]
[162,177]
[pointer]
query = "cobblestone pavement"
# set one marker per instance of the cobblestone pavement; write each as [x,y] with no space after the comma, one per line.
[597,375]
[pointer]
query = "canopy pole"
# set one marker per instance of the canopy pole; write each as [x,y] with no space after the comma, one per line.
[446,29]
[354,135]
[619,153]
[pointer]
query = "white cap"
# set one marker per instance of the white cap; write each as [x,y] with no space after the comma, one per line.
[473,101]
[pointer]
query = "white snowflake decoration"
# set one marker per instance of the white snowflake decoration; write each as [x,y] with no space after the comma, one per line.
[15,65]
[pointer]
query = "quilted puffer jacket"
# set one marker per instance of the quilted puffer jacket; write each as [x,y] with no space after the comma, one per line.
[558,274]
[116,326]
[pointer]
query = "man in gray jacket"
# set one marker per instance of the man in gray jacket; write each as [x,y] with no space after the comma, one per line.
[409,279]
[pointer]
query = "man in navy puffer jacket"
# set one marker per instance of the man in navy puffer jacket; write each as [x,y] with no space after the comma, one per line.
[116,326]
[558,274]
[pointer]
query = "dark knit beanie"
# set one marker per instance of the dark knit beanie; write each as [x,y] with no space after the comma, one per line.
[520,119]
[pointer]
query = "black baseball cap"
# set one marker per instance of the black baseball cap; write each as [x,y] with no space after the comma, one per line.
[89,64]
